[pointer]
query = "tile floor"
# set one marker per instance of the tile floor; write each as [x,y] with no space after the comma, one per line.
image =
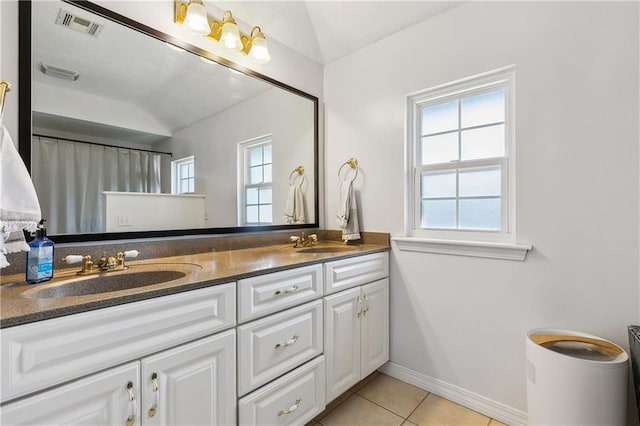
[383,400]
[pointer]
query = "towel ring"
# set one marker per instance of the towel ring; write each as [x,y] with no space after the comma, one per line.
[300,171]
[351,162]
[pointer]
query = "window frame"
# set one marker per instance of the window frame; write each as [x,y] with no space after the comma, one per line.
[176,176]
[500,78]
[243,178]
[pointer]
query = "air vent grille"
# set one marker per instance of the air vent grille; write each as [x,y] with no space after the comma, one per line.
[69,20]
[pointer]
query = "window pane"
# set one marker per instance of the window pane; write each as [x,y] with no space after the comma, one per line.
[191,171]
[184,170]
[252,195]
[255,174]
[438,214]
[483,109]
[267,153]
[265,195]
[439,185]
[486,142]
[267,173]
[265,214]
[480,183]
[440,117]
[439,149]
[480,214]
[252,214]
[184,186]
[192,185]
[255,156]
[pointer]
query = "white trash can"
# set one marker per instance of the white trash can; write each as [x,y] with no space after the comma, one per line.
[575,378]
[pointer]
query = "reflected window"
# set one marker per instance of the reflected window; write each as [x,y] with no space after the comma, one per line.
[256,182]
[183,176]
[461,141]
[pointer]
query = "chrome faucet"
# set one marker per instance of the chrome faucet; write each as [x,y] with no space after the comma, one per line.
[302,241]
[105,264]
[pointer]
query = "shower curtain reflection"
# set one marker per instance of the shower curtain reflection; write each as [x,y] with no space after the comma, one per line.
[70,177]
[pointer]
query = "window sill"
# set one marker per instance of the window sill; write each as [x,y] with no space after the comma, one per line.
[508,251]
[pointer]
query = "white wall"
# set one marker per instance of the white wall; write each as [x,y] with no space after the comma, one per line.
[463,320]
[283,115]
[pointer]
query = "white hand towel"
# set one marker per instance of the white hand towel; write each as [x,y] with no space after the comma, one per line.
[19,206]
[294,209]
[348,213]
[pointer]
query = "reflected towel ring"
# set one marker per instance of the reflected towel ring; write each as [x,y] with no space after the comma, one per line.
[351,162]
[300,171]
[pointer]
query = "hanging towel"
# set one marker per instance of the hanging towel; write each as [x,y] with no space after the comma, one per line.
[19,206]
[348,213]
[294,209]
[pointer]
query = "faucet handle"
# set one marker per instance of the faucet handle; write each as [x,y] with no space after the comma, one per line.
[313,237]
[293,238]
[131,253]
[72,258]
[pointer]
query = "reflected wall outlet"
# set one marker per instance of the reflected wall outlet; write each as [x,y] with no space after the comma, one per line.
[124,220]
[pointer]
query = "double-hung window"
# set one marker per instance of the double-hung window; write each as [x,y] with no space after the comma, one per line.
[460,150]
[256,182]
[183,177]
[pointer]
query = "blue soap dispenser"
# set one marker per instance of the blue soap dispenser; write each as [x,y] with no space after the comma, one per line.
[40,257]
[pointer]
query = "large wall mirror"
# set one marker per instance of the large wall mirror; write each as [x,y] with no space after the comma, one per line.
[135,133]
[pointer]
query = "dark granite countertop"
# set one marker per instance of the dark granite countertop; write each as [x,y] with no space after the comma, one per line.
[22,303]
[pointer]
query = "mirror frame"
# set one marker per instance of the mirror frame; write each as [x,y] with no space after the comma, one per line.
[24,115]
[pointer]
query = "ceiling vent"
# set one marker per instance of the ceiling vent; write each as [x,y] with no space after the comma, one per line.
[59,72]
[69,20]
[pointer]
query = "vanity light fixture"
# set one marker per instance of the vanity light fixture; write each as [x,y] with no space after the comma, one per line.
[223,31]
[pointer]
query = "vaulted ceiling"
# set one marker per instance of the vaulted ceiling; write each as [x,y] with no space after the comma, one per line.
[328,30]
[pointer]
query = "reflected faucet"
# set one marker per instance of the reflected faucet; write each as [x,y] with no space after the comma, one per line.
[302,241]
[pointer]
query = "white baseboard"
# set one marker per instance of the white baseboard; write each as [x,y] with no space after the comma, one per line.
[468,399]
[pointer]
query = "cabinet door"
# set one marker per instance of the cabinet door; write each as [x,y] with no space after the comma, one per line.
[374,337]
[192,384]
[98,400]
[342,341]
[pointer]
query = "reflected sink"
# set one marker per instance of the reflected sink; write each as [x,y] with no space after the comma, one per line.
[338,249]
[134,277]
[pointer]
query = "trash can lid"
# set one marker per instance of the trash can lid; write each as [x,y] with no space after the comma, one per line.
[587,348]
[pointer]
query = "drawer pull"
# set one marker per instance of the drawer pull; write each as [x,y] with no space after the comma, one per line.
[156,395]
[287,343]
[291,409]
[366,305]
[359,301]
[286,290]
[133,406]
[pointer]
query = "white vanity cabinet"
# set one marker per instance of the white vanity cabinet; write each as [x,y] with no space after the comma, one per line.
[356,322]
[171,336]
[189,385]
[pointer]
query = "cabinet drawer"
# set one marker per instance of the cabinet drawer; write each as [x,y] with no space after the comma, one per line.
[49,352]
[265,294]
[354,271]
[293,399]
[269,347]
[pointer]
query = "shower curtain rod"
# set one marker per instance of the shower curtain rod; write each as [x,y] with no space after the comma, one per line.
[102,144]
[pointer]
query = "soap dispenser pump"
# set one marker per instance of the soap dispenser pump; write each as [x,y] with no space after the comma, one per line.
[40,257]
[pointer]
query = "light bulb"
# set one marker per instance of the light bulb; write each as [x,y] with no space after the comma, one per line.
[259,51]
[231,36]
[196,19]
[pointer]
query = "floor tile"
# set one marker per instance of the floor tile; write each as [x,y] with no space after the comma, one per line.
[494,422]
[438,411]
[333,404]
[357,411]
[396,396]
[408,423]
